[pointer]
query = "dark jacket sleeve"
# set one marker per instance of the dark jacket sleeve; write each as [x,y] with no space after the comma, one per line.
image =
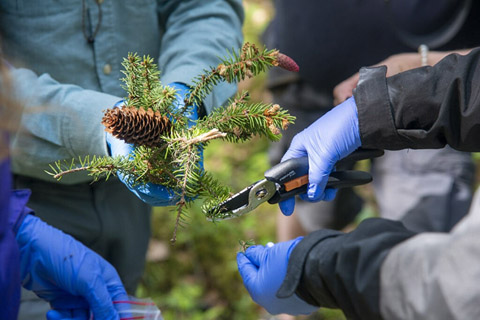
[342,270]
[427,107]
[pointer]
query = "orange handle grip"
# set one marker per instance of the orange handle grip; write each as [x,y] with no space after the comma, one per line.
[295,183]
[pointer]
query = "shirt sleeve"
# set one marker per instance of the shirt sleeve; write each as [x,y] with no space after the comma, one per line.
[423,108]
[197,34]
[59,121]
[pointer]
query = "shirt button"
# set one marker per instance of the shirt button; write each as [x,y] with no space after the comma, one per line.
[107,69]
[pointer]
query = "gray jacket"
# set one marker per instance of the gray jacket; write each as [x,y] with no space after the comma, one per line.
[435,275]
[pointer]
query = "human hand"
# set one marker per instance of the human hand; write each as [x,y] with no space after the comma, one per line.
[75,280]
[395,64]
[329,139]
[151,193]
[263,270]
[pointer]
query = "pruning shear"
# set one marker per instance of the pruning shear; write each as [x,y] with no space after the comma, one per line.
[286,180]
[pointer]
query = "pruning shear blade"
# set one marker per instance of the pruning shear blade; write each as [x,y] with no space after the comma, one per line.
[286,180]
[247,199]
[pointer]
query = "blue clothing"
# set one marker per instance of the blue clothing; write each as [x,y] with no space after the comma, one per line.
[9,256]
[12,212]
[65,82]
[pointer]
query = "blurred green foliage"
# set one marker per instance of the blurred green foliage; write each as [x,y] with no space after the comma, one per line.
[197,278]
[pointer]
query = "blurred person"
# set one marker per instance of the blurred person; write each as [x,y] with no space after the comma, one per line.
[76,281]
[66,57]
[330,41]
[381,270]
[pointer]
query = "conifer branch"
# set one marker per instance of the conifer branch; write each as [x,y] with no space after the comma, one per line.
[204,137]
[247,63]
[182,202]
[167,151]
[241,120]
[59,175]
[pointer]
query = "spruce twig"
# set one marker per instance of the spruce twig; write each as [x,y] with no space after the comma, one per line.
[204,137]
[246,244]
[182,202]
[236,67]
[167,150]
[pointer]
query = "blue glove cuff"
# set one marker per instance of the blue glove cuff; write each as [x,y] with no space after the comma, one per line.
[19,209]
[351,106]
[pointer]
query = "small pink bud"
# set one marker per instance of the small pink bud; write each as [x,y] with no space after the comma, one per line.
[287,63]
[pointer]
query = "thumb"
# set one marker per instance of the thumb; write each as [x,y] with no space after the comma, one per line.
[255,254]
[318,178]
[287,206]
[71,314]
[100,301]
[294,152]
[248,271]
[117,146]
[296,148]
[120,300]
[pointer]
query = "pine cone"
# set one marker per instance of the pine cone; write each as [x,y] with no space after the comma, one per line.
[136,126]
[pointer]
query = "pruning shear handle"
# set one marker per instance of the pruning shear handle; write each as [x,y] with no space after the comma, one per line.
[292,175]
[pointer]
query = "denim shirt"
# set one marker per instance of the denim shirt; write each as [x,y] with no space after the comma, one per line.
[65,82]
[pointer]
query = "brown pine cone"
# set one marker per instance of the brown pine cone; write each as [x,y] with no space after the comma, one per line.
[136,126]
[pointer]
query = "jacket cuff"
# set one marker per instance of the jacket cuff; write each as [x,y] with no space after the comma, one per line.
[18,208]
[375,114]
[341,270]
[297,260]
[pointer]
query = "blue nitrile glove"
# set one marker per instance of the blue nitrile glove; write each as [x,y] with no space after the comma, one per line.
[72,278]
[153,194]
[263,270]
[327,140]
